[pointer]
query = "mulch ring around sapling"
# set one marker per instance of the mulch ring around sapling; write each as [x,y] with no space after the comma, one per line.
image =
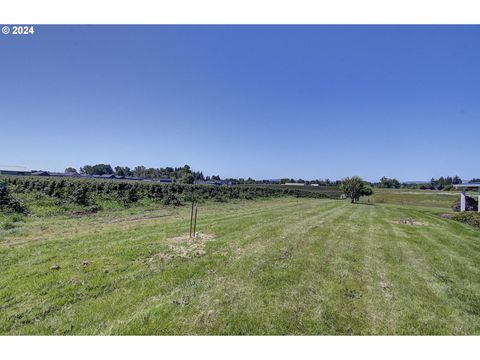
[184,247]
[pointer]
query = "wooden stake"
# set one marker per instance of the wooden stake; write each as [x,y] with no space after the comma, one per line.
[191,218]
[195,223]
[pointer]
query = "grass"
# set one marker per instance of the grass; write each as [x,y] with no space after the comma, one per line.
[280,266]
[430,198]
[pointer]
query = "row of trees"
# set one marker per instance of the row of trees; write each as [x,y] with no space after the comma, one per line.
[387,183]
[434,184]
[86,192]
[444,181]
[182,174]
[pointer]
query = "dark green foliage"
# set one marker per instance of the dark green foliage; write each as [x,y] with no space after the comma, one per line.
[355,187]
[123,171]
[187,178]
[84,192]
[130,196]
[470,218]
[79,195]
[441,182]
[98,169]
[179,174]
[171,199]
[9,204]
[387,183]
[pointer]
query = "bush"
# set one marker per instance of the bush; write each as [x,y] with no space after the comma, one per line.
[79,196]
[129,197]
[470,218]
[9,203]
[171,199]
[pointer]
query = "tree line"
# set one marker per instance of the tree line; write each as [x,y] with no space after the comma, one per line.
[182,174]
[443,182]
[185,175]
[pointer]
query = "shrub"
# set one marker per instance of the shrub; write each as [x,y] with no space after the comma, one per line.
[79,196]
[171,199]
[9,203]
[470,218]
[129,197]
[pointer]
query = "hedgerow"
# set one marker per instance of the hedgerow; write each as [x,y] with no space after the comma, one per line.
[85,191]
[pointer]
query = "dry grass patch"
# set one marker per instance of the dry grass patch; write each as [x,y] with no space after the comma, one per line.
[184,247]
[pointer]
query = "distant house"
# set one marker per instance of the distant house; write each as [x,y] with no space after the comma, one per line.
[14,170]
[294,184]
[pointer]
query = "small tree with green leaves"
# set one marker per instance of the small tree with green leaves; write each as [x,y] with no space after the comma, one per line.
[354,187]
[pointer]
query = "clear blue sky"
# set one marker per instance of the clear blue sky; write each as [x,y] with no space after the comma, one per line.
[238,101]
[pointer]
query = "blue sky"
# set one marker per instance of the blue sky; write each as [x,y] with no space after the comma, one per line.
[239,101]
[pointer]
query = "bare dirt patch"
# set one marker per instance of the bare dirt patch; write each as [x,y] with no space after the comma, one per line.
[184,247]
[410,221]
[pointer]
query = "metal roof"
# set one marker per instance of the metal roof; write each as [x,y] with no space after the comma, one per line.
[474,185]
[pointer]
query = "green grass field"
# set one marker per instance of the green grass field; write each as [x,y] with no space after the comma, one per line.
[440,199]
[279,266]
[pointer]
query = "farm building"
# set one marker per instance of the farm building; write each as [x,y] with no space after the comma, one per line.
[464,187]
[14,170]
[294,184]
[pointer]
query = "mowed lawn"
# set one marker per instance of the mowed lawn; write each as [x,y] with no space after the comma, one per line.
[280,266]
